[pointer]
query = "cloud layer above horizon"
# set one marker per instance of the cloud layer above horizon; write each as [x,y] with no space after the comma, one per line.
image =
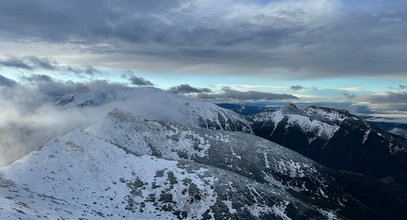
[286,39]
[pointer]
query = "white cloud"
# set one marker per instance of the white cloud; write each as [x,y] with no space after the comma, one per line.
[247,87]
[350,89]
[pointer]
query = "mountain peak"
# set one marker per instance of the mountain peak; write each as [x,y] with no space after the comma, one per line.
[291,106]
[156,104]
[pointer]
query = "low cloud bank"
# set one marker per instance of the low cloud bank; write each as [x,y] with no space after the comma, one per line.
[187,89]
[29,116]
[228,94]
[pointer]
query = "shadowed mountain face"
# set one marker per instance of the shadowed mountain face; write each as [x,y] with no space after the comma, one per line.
[338,140]
[130,167]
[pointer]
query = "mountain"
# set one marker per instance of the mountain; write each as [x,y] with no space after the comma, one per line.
[133,168]
[338,140]
[157,104]
[246,109]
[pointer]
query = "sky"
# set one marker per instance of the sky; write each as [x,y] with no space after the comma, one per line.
[221,51]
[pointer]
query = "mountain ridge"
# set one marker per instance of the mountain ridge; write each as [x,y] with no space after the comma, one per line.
[150,103]
[329,136]
[77,168]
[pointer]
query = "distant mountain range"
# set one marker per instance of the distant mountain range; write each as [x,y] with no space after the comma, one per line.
[336,139]
[392,125]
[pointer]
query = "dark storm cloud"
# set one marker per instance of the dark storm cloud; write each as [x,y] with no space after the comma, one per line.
[302,38]
[32,63]
[15,63]
[91,71]
[38,78]
[234,95]
[297,87]
[28,63]
[42,63]
[187,89]
[139,81]
[349,95]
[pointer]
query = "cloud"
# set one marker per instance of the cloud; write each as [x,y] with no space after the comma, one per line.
[388,97]
[37,78]
[15,63]
[187,89]
[295,38]
[42,63]
[297,87]
[234,95]
[350,89]
[91,71]
[30,116]
[140,81]
[388,101]
[403,87]
[7,82]
[349,95]
[29,63]
[33,63]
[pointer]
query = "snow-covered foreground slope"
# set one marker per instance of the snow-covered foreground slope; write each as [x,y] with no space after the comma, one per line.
[156,104]
[131,168]
[245,154]
[82,176]
[337,139]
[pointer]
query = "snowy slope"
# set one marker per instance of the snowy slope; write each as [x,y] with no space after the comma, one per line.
[316,122]
[82,176]
[245,154]
[337,139]
[156,104]
[131,168]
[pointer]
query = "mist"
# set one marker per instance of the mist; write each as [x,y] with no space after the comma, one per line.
[30,116]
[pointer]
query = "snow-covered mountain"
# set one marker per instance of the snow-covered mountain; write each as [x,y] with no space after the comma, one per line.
[157,104]
[131,168]
[245,154]
[337,139]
